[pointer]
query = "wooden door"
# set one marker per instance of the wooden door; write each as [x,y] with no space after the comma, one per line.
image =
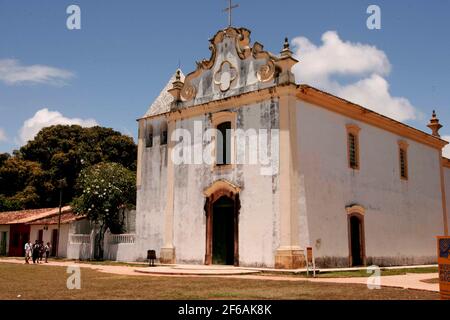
[54,242]
[19,235]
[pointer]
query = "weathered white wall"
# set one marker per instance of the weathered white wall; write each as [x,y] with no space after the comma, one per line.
[258,221]
[402,217]
[123,252]
[5,228]
[151,195]
[47,236]
[79,251]
[65,249]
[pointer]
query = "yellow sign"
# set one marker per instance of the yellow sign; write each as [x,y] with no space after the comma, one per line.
[444,266]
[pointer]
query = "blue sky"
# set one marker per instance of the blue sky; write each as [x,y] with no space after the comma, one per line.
[126,51]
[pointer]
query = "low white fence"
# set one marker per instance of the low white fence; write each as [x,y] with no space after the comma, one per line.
[79,238]
[120,247]
[121,238]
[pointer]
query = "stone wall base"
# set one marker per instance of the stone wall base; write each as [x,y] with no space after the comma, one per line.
[167,256]
[290,258]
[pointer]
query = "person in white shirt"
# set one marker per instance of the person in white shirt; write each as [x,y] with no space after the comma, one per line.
[47,249]
[28,249]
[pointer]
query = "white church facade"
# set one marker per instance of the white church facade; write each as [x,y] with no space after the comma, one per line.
[356,186]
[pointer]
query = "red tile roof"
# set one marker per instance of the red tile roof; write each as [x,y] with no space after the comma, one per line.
[67,217]
[26,216]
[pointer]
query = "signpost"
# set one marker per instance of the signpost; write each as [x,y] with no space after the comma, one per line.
[444,266]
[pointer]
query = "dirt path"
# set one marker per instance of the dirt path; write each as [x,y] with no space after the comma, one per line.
[408,281]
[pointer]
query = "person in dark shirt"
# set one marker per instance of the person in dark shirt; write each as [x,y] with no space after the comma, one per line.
[36,251]
[41,250]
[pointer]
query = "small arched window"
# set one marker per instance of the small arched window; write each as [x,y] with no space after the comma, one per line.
[163,133]
[224,123]
[223,146]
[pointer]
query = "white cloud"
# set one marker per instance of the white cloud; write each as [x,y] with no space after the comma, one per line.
[446,150]
[322,66]
[3,137]
[45,118]
[12,72]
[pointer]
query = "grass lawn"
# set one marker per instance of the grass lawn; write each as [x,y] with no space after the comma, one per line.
[49,282]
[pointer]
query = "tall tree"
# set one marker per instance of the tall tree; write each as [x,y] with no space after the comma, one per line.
[63,151]
[105,191]
[21,183]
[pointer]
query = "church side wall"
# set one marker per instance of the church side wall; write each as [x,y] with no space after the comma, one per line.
[402,218]
[151,197]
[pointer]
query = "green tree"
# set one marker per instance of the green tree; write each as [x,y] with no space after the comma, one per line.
[21,183]
[105,191]
[63,151]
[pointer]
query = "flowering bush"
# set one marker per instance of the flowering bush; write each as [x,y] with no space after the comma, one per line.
[105,191]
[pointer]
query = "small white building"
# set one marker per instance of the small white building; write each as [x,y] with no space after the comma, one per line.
[46,230]
[18,227]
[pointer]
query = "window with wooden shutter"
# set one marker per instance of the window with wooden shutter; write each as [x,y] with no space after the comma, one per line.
[353,146]
[403,159]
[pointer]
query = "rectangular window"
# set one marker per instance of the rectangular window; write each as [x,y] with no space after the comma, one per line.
[403,159]
[163,133]
[353,157]
[353,146]
[164,137]
[149,141]
[223,144]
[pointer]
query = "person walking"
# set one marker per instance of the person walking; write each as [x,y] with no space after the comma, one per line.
[47,248]
[41,250]
[28,248]
[35,253]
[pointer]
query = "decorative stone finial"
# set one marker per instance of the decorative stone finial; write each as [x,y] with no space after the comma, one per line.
[434,125]
[286,52]
[285,64]
[286,43]
[177,86]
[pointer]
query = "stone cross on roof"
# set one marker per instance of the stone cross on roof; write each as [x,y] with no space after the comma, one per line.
[230,10]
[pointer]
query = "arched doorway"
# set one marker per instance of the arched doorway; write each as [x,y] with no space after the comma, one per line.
[357,256]
[223,231]
[355,235]
[222,207]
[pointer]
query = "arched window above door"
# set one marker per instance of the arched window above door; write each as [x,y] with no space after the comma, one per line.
[225,123]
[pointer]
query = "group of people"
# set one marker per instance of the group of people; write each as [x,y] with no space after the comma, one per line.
[37,251]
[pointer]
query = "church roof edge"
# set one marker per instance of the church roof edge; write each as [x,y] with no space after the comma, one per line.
[340,105]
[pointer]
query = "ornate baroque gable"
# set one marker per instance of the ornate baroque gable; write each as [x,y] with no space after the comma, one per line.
[233,68]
